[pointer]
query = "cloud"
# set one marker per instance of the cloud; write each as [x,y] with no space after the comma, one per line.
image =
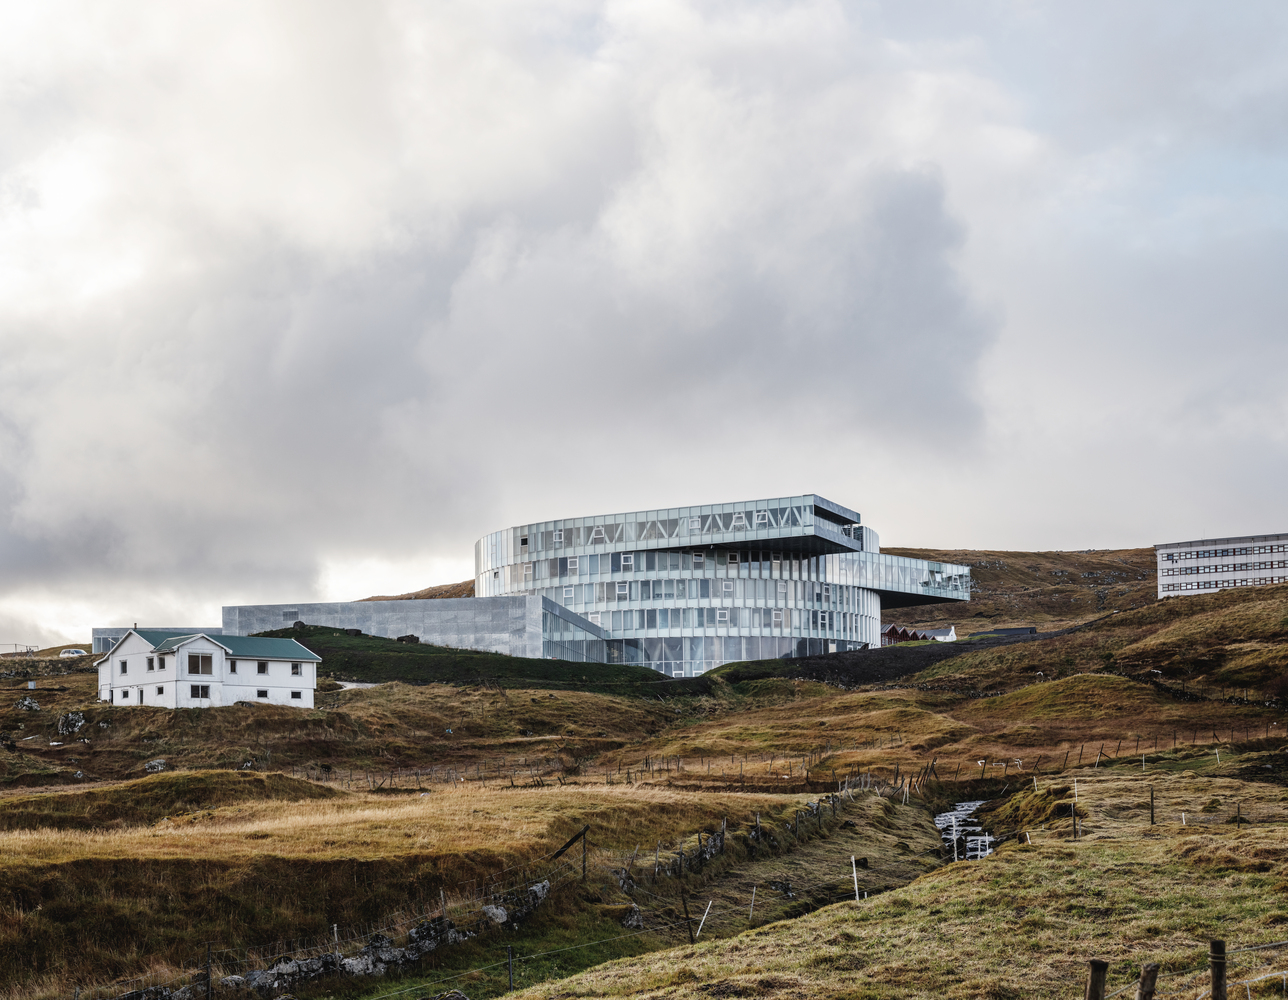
[297,292]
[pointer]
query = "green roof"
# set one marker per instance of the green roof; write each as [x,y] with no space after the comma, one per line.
[241,646]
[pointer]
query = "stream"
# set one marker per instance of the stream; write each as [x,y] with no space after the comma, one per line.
[962,832]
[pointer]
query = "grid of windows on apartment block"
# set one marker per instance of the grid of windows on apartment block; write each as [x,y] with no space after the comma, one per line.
[751,563]
[1245,550]
[1260,581]
[1227,568]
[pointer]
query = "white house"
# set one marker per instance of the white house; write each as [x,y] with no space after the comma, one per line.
[171,670]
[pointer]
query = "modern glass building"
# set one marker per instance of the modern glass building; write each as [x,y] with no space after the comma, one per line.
[687,589]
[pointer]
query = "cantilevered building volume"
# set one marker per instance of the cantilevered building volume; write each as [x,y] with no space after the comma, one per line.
[687,589]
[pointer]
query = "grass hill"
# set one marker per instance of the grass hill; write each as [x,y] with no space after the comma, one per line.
[270,824]
[463,589]
[376,660]
[1050,590]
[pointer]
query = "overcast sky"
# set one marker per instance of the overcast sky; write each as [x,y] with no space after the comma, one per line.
[298,300]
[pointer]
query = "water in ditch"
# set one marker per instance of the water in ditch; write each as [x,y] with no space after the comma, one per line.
[962,833]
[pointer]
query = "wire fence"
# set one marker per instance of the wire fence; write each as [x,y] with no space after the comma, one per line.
[400,939]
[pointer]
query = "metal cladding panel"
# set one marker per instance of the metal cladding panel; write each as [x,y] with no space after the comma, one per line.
[507,624]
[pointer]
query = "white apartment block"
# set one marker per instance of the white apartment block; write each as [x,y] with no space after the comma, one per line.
[167,670]
[1212,564]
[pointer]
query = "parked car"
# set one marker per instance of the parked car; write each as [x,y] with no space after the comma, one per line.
[72,652]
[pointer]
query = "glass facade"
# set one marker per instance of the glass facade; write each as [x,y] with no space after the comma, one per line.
[565,636]
[687,589]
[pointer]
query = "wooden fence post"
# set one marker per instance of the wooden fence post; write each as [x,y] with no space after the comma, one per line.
[1151,805]
[1096,979]
[1216,961]
[1148,976]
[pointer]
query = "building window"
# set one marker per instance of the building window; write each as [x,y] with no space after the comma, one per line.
[125,667]
[597,534]
[558,533]
[263,667]
[695,524]
[698,560]
[567,592]
[782,586]
[623,590]
[160,662]
[151,664]
[572,564]
[160,690]
[523,541]
[728,586]
[290,616]
[594,617]
[778,618]
[200,690]
[722,616]
[295,670]
[261,693]
[739,522]
[762,518]
[527,571]
[232,666]
[297,694]
[628,560]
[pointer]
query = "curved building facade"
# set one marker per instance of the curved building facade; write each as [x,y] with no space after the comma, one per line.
[686,589]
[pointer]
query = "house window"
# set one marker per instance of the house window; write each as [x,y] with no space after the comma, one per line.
[567,592]
[151,665]
[200,690]
[160,690]
[628,560]
[297,694]
[232,666]
[200,664]
[722,616]
[263,667]
[261,693]
[295,670]
[125,667]
[160,662]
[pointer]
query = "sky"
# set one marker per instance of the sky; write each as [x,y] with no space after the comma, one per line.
[300,299]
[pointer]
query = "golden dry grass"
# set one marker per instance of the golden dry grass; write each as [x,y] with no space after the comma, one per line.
[1019,924]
